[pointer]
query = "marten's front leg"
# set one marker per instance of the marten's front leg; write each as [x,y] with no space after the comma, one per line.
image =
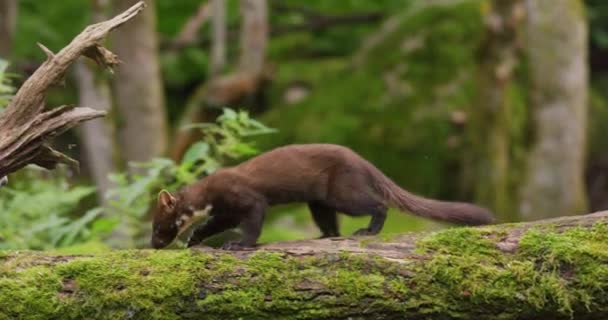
[215,225]
[251,226]
[325,218]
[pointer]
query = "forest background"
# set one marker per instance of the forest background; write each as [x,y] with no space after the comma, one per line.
[501,103]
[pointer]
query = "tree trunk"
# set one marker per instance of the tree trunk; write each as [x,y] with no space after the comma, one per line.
[219,32]
[97,135]
[8,20]
[254,35]
[138,87]
[551,270]
[26,127]
[490,129]
[557,53]
[196,108]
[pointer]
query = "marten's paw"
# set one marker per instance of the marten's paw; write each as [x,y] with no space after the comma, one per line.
[363,232]
[192,243]
[236,246]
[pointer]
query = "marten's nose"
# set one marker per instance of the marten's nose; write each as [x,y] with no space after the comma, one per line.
[158,243]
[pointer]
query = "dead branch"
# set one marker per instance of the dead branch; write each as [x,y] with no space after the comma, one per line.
[25,127]
[188,34]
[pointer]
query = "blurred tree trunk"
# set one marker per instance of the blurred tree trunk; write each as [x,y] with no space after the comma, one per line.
[239,86]
[8,20]
[219,33]
[97,135]
[138,87]
[557,53]
[254,35]
[490,120]
[196,110]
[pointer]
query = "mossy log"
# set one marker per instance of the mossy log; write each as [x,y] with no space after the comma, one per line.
[554,269]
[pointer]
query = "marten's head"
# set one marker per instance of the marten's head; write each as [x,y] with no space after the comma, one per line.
[174,216]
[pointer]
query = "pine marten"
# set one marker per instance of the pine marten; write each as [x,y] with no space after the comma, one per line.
[329,178]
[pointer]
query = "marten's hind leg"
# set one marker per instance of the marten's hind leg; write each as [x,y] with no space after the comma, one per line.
[375,224]
[325,218]
[362,207]
[350,193]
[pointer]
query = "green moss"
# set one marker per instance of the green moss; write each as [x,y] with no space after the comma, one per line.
[89,247]
[35,290]
[469,241]
[558,273]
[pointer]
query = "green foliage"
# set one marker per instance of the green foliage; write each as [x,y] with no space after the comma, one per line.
[598,27]
[6,87]
[223,142]
[39,214]
[395,107]
[337,41]
[54,26]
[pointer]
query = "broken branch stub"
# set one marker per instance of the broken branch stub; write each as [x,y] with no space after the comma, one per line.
[25,127]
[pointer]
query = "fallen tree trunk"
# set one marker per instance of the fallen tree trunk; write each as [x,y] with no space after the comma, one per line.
[552,269]
[25,125]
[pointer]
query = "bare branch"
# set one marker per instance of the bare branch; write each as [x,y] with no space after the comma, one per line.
[25,128]
[188,34]
[29,99]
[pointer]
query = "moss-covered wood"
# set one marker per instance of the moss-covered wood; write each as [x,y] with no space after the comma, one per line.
[550,270]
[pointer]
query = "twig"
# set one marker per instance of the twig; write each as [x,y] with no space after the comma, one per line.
[187,35]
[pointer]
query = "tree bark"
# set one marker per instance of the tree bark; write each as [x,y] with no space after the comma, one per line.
[8,20]
[254,35]
[557,55]
[219,34]
[490,128]
[553,269]
[97,135]
[138,88]
[25,126]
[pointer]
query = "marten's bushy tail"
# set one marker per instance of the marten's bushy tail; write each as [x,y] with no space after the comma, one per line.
[455,212]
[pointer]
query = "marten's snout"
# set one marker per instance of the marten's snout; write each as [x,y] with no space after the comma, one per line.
[158,243]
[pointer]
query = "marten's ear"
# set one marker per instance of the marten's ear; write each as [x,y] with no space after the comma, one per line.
[166,201]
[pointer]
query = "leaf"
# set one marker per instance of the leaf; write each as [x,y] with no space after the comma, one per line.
[229,114]
[104,225]
[196,152]
[79,226]
[197,126]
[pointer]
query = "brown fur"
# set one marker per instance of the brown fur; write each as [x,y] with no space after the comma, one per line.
[330,178]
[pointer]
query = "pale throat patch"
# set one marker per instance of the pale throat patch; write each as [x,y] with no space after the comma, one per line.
[186,222]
